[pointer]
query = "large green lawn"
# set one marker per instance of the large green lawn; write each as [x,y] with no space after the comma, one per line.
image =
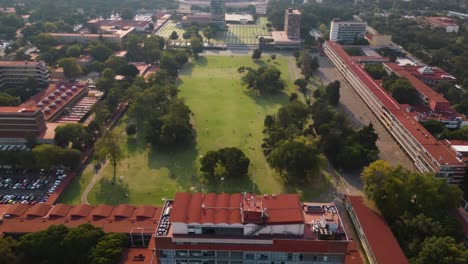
[224,115]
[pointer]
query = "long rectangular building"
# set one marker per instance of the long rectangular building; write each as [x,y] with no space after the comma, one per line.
[427,153]
[254,229]
[17,72]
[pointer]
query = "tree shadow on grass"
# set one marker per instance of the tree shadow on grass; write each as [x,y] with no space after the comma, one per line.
[311,188]
[113,193]
[268,100]
[136,144]
[181,163]
[260,63]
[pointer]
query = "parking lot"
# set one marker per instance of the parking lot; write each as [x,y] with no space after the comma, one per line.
[29,186]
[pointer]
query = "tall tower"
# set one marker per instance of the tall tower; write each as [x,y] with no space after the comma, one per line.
[218,13]
[292,23]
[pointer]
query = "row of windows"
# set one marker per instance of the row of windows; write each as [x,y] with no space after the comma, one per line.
[255,257]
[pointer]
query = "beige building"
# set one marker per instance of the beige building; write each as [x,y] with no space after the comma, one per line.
[379,39]
[17,72]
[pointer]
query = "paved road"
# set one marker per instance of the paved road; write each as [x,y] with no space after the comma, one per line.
[361,115]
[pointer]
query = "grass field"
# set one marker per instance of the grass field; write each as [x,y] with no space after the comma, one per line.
[224,115]
[235,35]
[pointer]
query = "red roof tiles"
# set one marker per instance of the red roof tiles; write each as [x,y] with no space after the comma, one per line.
[380,238]
[38,210]
[226,208]
[17,210]
[81,210]
[145,212]
[60,210]
[102,210]
[124,210]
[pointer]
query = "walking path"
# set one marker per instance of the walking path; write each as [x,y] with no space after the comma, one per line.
[84,195]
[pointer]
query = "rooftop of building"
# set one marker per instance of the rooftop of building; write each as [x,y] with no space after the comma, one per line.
[282,37]
[293,11]
[429,72]
[443,21]
[24,218]
[380,238]
[24,63]
[56,96]
[245,208]
[440,154]
[122,23]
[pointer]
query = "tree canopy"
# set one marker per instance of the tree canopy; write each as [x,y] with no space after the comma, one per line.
[265,79]
[229,162]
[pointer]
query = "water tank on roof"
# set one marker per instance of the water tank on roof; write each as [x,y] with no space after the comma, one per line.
[62,87]
[40,104]
[69,91]
[74,87]
[57,91]
[63,96]
[58,101]
[47,109]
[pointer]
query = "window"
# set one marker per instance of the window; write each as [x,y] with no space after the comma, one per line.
[249,255]
[208,253]
[237,255]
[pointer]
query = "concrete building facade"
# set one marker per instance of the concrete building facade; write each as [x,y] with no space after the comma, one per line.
[347,32]
[17,72]
[218,13]
[292,23]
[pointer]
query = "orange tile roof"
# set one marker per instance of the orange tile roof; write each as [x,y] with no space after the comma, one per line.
[38,210]
[81,210]
[60,210]
[123,210]
[17,209]
[102,210]
[380,238]
[226,208]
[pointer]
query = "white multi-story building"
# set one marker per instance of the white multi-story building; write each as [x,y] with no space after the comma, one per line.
[17,72]
[347,32]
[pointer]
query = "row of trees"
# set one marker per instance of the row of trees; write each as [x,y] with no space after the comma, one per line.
[306,63]
[344,146]
[42,156]
[59,244]
[401,90]
[416,206]
[288,143]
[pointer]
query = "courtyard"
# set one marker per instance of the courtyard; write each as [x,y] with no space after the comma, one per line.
[225,114]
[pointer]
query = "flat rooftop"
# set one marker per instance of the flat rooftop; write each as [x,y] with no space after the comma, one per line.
[321,221]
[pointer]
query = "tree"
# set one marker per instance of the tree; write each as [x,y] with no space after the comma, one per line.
[266,79]
[333,93]
[127,14]
[8,100]
[196,45]
[109,147]
[256,54]
[7,247]
[404,92]
[131,129]
[301,83]
[174,36]
[376,71]
[226,162]
[73,51]
[462,107]
[109,249]
[434,127]
[101,52]
[106,81]
[79,242]
[43,246]
[442,250]
[128,70]
[273,56]
[74,134]
[296,159]
[70,66]
[208,32]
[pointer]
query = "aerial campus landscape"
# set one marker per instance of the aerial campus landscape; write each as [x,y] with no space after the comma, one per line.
[233,132]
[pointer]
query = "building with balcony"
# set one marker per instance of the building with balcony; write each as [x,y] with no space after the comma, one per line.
[428,154]
[17,123]
[17,72]
[246,228]
[347,32]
